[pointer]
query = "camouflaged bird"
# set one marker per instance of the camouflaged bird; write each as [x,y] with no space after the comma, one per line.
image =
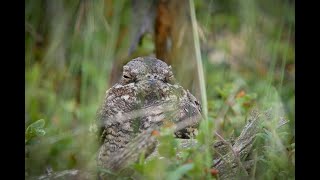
[146,95]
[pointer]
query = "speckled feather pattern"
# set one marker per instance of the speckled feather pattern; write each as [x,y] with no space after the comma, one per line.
[145,82]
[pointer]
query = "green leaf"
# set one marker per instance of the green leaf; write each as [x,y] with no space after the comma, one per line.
[179,172]
[35,129]
[38,124]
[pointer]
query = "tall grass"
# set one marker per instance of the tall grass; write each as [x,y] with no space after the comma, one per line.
[199,60]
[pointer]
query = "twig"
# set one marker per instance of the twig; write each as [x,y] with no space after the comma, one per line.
[236,155]
[282,122]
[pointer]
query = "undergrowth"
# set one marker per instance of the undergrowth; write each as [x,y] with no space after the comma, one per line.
[247,52]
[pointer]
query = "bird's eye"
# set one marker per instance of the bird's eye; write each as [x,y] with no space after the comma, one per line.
[125,76]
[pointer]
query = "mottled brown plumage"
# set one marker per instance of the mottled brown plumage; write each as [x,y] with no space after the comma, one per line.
[146,95]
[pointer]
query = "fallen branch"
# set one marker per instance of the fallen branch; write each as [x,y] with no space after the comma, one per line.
[239,150]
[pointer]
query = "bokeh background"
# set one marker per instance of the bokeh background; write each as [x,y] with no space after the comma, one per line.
[75,50]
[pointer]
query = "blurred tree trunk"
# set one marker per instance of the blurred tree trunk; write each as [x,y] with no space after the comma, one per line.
[170,24]
[142,18]
[175,43]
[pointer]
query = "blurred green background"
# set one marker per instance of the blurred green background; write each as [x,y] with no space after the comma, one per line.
[248,53]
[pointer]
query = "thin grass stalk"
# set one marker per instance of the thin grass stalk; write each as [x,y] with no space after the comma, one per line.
[199,60]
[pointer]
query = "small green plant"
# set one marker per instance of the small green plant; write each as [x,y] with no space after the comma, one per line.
[35,129]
